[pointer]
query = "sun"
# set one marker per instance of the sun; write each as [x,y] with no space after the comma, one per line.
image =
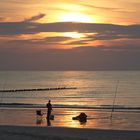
[75,17]
[73,34]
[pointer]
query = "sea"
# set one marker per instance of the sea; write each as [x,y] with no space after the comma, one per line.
[71,89]
[110,99]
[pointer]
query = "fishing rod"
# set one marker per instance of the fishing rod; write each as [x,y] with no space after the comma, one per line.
[113,106]
[115,95]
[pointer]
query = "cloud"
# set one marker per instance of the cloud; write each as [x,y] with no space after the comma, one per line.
[3,19]
[35,18]
[104,31]
[100,8]
[79,42]
[41,41]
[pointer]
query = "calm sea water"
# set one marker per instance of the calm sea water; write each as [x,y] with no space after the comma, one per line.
[94,88]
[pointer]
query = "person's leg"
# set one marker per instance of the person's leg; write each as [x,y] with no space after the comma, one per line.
[48,114]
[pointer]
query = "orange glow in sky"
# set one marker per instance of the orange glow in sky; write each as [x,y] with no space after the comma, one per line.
[69,35]
[88,13]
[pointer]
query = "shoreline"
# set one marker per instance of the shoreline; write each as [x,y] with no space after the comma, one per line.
[54,133]
[98,107]
[63,118]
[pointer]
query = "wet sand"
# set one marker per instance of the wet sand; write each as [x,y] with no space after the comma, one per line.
[97,119]
[23,124]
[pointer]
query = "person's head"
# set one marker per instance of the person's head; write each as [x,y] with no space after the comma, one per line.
[49,101]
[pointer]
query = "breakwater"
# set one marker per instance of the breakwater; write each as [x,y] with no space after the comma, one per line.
[37,89]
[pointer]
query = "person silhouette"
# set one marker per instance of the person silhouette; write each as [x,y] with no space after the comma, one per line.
[49,107]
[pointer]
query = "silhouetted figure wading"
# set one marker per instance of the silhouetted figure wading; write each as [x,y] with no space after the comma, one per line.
[49,106]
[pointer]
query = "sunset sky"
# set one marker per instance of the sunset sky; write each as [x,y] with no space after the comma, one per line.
[69,35]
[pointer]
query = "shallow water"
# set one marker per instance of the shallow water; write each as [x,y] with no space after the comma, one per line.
[63,118]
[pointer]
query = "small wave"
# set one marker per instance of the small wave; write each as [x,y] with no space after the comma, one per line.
[101,107]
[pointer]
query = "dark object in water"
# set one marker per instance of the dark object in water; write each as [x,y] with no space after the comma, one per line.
[82,117]
[39,113]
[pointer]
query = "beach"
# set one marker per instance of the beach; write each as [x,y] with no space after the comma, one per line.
[59,133]
[97,119]
[94,95]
